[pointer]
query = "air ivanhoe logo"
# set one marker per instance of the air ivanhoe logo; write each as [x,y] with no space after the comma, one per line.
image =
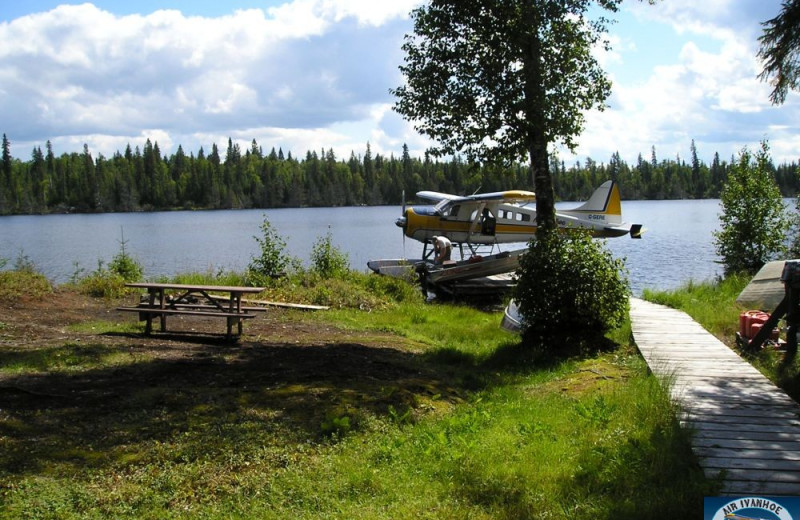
[752,508]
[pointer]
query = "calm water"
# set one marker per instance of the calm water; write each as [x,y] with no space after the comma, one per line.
[677,247]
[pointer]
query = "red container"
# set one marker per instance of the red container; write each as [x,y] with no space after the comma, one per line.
[751,322]
[757,319]
[754,328]
[744,322]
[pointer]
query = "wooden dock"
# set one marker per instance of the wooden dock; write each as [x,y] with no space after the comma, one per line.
[746,429]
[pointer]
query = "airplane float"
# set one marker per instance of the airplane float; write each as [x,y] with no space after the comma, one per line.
[489,219]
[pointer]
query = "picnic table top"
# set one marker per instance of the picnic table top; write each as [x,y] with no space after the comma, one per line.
[190,287]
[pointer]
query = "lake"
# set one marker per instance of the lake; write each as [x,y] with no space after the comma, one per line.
[677,247]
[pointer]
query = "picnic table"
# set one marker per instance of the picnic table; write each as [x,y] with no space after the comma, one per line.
[165,299]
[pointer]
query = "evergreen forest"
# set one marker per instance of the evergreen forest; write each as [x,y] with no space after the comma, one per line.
[147,180]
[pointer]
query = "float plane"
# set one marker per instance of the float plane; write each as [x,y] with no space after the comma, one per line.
[509,216]
[489,219]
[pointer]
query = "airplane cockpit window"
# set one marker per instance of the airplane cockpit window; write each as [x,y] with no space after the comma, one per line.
[454,210]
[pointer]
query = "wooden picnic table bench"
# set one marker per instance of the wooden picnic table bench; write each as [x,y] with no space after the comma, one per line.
[165,299]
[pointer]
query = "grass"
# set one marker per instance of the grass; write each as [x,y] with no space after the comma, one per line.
[456,329]
[554,444]
[106,327]
[447,417]
[69,357]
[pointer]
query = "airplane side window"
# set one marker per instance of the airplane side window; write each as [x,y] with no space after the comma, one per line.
[454,211]
[525,217]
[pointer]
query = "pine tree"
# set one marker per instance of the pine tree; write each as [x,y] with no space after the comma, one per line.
[6,183]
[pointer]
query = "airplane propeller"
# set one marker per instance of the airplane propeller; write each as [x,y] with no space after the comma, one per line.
[403,216]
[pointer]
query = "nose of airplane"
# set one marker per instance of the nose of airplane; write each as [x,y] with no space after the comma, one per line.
[401,222]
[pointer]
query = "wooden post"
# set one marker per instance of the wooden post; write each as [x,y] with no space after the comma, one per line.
[791,279]
[162,296]
[151,298]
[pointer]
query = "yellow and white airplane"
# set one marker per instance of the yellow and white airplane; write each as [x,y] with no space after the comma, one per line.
[509,216]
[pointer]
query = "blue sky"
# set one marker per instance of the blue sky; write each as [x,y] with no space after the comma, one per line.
[311,74]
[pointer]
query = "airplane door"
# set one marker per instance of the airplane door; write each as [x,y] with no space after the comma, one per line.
[488,223]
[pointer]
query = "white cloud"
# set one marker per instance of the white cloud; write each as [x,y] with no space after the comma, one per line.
[707,90]
[312,17]
[80,72]
[313,74]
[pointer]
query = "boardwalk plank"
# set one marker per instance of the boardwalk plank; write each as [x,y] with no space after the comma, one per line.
[759,488]
[789,469]
[759,454]
[755,429]
[788,447]
[745,429]
[743,433]
[733,419]
[758,475]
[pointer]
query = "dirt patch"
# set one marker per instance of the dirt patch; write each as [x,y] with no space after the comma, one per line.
[86,373]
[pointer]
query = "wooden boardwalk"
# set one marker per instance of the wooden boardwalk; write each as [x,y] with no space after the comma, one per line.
[744,426]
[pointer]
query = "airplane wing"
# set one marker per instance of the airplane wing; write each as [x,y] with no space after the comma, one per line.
[510,196]
[436,196]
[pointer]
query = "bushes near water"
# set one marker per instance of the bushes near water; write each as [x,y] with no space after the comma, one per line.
[570,286]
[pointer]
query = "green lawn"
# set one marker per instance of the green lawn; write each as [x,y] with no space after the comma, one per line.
[424,411]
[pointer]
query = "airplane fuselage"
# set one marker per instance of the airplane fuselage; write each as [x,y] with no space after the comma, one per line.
[512,224]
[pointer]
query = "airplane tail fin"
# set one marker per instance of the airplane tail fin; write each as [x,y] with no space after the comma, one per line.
[605,206]
[605,199]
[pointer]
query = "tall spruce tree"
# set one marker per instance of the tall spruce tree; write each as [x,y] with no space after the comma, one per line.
[6,183]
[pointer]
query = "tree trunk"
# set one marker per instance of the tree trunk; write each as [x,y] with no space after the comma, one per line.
[535,99]
[543,186]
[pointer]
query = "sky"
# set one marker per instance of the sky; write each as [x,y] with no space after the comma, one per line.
[304,75]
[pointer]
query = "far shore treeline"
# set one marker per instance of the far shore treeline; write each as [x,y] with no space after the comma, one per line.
[144,179]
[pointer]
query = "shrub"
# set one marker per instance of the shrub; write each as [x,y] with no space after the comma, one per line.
[126,267]
[209,277]
[396,289]
[23,264]
[753,223]
[328,260]
[109,282]
[272,261]
[15,285]
[570,285]
[102,283]
[23,281]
